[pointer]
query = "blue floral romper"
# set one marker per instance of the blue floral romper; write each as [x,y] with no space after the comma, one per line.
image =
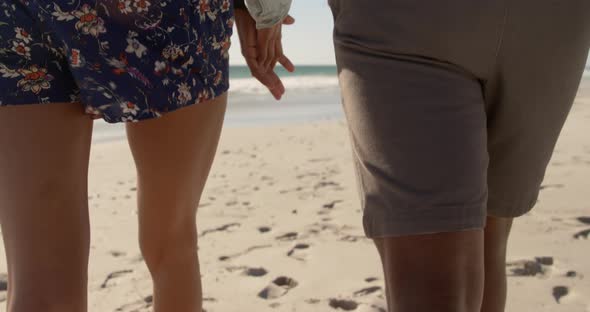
[125,60]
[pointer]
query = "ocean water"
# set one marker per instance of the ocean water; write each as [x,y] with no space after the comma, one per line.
[308,78]
[312,94]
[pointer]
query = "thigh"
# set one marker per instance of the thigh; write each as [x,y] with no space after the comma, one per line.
[418,132]
[173,155]
[530,95]
[43,195]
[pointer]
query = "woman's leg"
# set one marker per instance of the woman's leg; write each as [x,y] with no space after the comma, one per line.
[497,232]
[43,205]
[173,156]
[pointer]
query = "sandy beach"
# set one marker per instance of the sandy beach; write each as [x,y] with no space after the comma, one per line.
[280,227]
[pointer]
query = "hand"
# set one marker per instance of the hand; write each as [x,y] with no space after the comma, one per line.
[262,49]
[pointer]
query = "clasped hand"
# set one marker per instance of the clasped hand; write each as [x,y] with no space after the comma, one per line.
[263,49]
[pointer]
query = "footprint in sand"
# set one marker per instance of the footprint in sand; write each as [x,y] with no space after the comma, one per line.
[352,238]
[3,282]
[274,305]
[377,304]
[288,236]
[331,205]
[582,234]
[324,184]
[545,260]
[367,291]
[560,292]
[231,203]
[574,274]
[264,229]
[250,249]
[299,252]
[223,228]
[144,304]
[278,288]
[342,304]
[3,286]
[530,267]
[372,308]
[551,186]
[117,254]
[114,275]
[255,272]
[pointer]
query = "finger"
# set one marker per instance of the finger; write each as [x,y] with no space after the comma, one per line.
[250,52]
[268,78]
[263,39]
[271,59]
[254,67]
[289,20]
[278,45]
[273,83]
[287,64]
[279,89]
[278,52]
[282,59]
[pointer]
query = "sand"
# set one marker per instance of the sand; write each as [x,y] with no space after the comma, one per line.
[281,227]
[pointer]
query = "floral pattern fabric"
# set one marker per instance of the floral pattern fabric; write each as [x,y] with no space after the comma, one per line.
[125,60]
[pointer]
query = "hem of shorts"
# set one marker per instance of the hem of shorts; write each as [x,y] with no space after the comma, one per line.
[501,208]
[9,104]
[398,228]
[163,114]
[114,121]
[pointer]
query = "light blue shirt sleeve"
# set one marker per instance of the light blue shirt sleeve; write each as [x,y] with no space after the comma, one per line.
[268,13]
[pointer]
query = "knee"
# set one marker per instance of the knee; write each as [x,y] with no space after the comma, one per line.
[441,272]
[166,241]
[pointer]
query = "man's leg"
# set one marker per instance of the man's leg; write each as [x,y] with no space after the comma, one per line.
[496,235]
[438,272]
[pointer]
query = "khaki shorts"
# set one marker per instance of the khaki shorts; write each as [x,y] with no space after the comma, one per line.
[455,106]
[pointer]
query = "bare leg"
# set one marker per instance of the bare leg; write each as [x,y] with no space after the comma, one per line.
[497,232]
[438,272]
[43,205]
[173,156]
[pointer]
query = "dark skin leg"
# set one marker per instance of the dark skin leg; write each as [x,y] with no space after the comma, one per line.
[438,272]
[497,232]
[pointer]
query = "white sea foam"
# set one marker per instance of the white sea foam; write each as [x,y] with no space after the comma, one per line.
[299,83]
